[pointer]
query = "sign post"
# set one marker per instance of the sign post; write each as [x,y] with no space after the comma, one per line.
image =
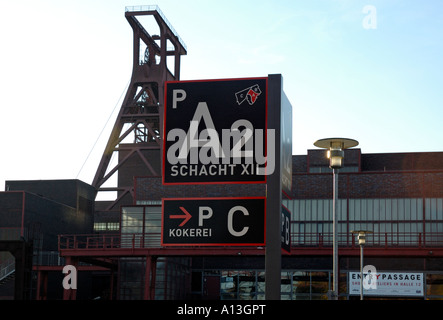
[274,197]
[279,112]
[229,131]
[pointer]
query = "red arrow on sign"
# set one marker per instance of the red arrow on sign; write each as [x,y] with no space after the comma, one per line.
[186,216]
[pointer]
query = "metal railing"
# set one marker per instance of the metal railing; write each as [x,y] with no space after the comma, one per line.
[379,240]
[109,241]
[156,8]
[7,268]
[314,240]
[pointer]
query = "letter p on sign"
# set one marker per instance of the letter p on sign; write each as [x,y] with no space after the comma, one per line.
[177,95]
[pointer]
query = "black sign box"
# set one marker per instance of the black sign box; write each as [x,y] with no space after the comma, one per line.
[213,221]
[203,119]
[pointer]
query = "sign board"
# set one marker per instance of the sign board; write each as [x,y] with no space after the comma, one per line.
[285,229]
[213,221]
[402,284]
[286,145]
[215,131]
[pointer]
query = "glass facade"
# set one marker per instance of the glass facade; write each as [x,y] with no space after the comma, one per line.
[403,221]
[434,286]
[141,227]
[295,285]
[250,284]
[395,222]
[141,224]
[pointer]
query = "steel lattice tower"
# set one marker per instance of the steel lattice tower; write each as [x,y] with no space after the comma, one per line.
[141,113]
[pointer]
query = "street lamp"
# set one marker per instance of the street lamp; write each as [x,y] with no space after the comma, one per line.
[361,241]
[336,154]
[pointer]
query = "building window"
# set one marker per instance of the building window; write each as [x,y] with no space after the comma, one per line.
[112,226]
[106,226]
[141,224]
[99,226]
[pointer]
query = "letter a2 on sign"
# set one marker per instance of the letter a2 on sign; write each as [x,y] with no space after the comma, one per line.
[215,131]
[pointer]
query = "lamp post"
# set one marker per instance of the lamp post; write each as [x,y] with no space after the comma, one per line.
[361,241]
[336,154]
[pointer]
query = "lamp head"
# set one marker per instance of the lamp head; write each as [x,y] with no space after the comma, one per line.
[335,157]
[361,239]
[361,236]
[335,148]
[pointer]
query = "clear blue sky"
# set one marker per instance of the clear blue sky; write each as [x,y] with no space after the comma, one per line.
[65,64]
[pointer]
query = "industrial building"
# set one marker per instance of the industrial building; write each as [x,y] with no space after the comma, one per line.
[116,245]
[33,214]
[397,196]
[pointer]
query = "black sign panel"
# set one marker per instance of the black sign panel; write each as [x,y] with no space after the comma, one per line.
[285,229]
[213,221]
[215,131]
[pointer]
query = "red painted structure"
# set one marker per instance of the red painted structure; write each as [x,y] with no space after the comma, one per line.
[107,249]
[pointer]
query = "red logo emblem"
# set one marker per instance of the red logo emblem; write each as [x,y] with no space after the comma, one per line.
[249,94]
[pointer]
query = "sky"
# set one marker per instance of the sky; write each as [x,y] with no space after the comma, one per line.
[369,70]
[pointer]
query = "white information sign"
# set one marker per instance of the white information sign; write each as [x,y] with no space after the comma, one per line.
[388,284]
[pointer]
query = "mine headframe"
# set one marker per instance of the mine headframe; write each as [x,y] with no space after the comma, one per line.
[156,59]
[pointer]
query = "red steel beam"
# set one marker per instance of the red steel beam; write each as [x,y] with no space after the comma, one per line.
[176,251]
[60,268]
[248,251]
